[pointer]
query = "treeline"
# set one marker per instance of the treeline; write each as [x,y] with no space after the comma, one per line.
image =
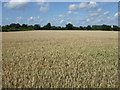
[25,27]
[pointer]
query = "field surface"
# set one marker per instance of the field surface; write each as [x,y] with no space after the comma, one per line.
[60,59]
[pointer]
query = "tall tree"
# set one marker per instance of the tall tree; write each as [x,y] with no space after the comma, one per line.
[37,27]
[47,27]
[24,25]
[14,25]
[89,27]
[69,26]
[116,28]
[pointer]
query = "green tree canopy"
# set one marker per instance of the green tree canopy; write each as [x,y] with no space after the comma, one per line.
[47,27]
[69,26]
[37,27]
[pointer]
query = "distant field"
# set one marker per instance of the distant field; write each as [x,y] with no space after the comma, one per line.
[60,59]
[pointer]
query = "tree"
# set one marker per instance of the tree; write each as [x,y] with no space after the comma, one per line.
[0,28]
[81,28]
[47,27]
[106,27]
[5,28]
[75,28]
[116,28]
[89,27]
[24,25]
[14,25]
[30,27]
[36,27]
[69,26]
[96,27]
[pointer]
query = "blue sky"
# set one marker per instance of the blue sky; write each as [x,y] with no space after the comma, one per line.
[60,13]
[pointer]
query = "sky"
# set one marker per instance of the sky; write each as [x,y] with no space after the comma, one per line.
[60,13]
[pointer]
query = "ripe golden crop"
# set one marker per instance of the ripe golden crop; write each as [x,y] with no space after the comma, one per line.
[60,59]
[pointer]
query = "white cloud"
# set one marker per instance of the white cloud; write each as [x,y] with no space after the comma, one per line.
[62,21]
[94,14]
[99,10]
[69,12]
[82,5]
[98,18]
[73,7]
[31,19]
[56,21]
[34,19]
[14,5]
[61,15]
[85,5]
[18,19]
[8,18]
[77,6]
[40,0]
[44,7]
[117,14]
[88,20]
[92,4]
[44,4]
[106,13]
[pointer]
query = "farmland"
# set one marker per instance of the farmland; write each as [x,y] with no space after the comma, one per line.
[60,59]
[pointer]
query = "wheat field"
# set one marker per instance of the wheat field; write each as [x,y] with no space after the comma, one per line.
[60,59]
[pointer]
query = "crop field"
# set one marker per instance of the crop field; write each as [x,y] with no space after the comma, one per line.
[60,59]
